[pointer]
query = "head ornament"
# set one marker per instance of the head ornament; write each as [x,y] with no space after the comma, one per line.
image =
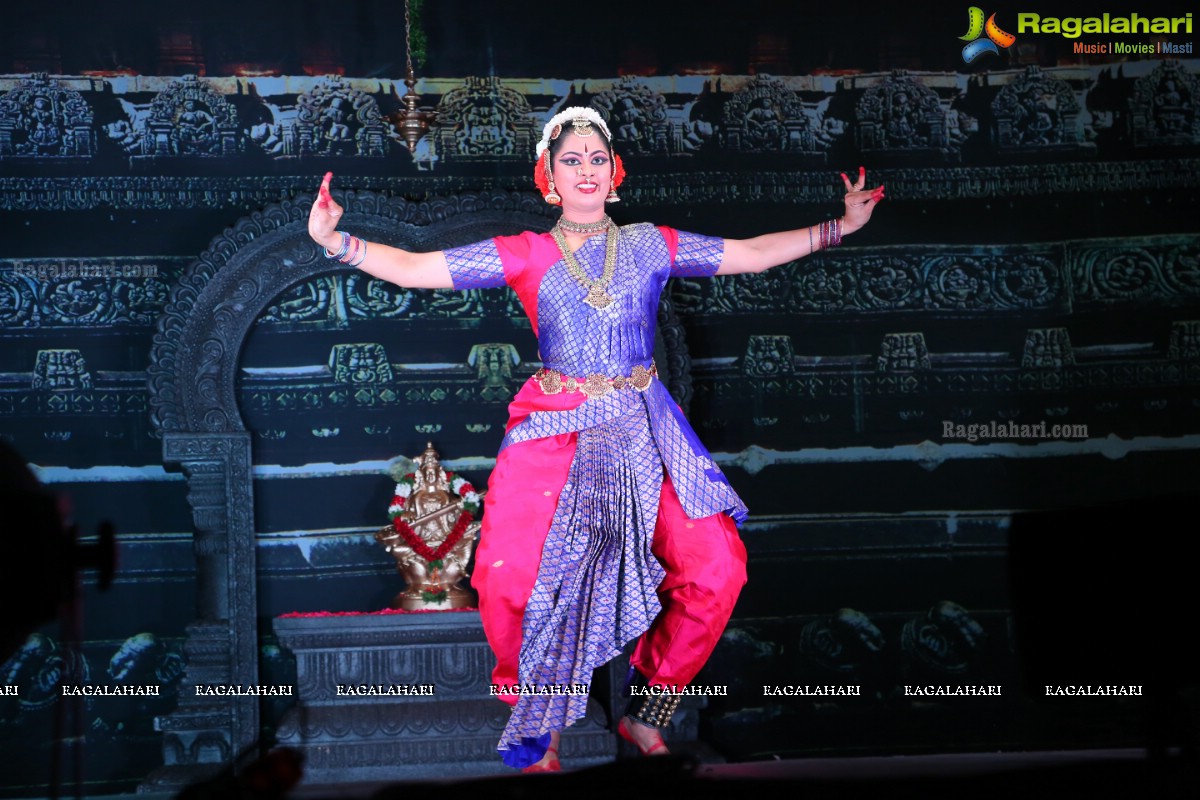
[576,116]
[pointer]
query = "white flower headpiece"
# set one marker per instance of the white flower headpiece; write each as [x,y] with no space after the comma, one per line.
[569,115]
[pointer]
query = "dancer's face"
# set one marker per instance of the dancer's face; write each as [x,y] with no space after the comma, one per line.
[582,168]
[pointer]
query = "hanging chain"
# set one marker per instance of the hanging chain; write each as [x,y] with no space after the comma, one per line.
[407,35]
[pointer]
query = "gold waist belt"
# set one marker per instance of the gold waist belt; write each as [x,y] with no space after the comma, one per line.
[597,385]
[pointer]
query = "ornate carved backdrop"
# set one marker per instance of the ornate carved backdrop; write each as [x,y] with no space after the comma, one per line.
[1036,260]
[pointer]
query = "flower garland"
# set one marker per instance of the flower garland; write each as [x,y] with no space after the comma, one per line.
[471,503]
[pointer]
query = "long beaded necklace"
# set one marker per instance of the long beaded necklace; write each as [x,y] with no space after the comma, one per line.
[597,295]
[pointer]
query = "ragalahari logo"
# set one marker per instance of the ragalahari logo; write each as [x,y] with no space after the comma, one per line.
[976,27]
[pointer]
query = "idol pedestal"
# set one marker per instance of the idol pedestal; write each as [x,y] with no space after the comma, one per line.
[451,733]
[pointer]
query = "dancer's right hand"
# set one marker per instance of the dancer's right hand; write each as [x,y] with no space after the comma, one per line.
[323,217]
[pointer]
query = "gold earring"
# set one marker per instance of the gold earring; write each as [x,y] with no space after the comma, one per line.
[552,197]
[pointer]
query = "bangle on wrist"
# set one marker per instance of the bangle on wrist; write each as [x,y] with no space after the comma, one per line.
[352,251]
[340,254]
[830,233]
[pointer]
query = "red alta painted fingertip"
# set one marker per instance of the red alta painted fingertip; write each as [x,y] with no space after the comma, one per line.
[862,170]
[844,176]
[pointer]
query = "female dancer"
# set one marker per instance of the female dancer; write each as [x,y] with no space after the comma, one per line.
[605,519]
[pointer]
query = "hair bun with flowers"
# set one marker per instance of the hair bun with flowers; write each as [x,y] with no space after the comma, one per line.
[569,115]
[552,130]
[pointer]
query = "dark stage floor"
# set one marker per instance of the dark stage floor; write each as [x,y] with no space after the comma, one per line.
[1062,775]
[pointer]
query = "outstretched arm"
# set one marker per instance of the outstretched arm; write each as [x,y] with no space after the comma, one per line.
[411,270]
[772,249]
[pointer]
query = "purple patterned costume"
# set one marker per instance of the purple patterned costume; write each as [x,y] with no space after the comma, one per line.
[597,582]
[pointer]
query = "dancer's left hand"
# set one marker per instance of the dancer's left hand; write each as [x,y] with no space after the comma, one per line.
[860,202]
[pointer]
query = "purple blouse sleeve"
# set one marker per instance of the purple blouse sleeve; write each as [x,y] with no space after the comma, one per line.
[476,266]
[697,256]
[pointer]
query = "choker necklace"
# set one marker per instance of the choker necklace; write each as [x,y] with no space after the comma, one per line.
[596,296]
[583,227]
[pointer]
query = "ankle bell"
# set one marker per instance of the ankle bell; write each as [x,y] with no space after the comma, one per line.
[654,710]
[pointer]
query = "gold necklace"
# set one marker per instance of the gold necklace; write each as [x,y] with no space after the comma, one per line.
[584,227]
[596,296]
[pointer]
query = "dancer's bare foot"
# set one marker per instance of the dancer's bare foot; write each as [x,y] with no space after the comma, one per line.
[648,740]
[549,762]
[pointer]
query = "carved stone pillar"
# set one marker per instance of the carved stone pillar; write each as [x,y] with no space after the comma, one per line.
[903,351]
[1185,341]
[1047,348]
[205,733]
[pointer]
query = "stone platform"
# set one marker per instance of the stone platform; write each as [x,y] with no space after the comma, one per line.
[448,729]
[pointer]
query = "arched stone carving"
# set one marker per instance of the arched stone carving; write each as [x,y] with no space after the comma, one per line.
[1037,112]
[189,118]
[767,117]
[638,118]
[192,381]
[484,119]
[193,368]
[902,117]
[42,118]
[336,119]
[1165,107]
